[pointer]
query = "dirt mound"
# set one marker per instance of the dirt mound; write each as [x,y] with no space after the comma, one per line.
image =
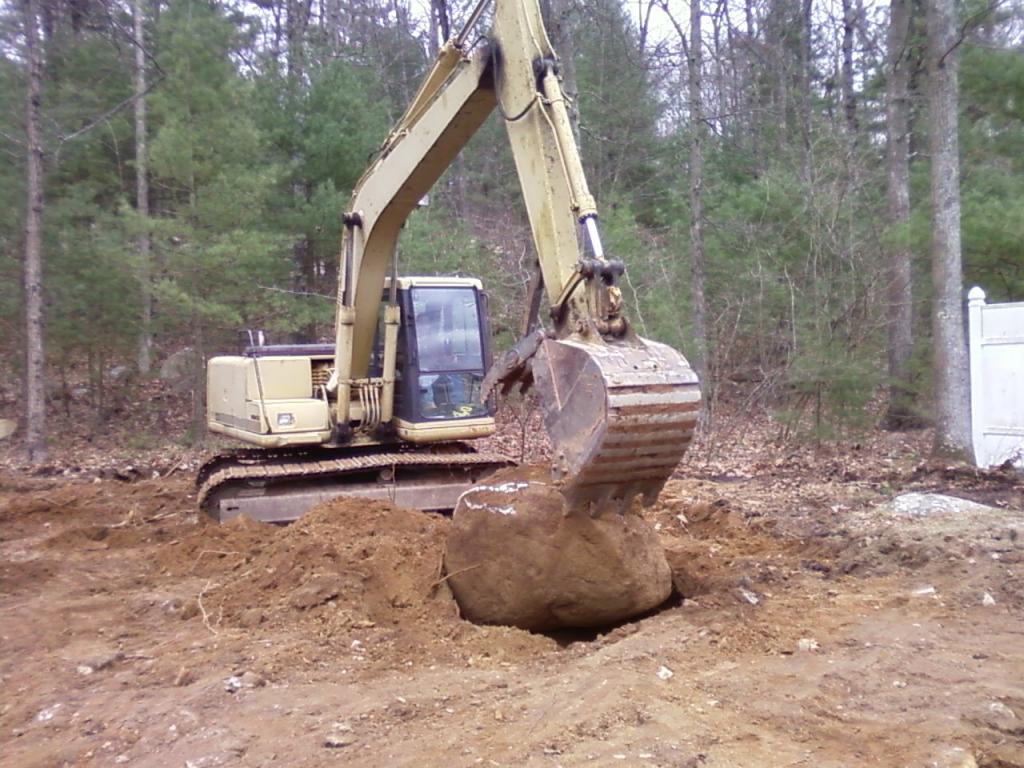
[347,569]
[713,551]
[205,548]
[24,575]
[374,561]
[90,505]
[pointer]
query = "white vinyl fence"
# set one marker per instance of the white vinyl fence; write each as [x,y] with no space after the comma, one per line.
[997,380]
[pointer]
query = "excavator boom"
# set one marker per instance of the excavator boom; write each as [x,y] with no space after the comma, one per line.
[620,409]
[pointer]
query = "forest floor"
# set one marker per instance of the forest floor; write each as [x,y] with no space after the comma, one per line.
[818,627]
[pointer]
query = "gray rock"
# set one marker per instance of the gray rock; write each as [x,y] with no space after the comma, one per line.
[252,679]
[317,591]
[927,504]
[1000,710]
[247,679]
[177,370]
[339,740]
[7,428]
[103,658]
[515,555]
[952,757]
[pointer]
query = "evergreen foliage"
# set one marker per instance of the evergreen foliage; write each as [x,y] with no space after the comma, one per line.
[260,124]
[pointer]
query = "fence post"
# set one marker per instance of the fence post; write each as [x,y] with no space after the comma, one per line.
[975,305]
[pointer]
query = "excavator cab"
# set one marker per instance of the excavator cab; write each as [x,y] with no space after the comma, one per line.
[443,354]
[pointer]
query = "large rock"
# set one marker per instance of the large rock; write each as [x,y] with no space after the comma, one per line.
[930,504]
[7,428]
[514,556]
[178,369]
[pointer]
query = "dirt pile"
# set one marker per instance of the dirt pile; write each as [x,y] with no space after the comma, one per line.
[367,561]
[379,562]
[515,556]
[26,503]
[362,577]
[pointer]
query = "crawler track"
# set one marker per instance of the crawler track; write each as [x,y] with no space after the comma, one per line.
[280,485]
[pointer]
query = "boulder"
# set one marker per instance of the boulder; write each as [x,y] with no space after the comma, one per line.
[517,555]
[932,504]
[178,370]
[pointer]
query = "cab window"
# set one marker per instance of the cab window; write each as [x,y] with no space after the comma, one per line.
[450,352]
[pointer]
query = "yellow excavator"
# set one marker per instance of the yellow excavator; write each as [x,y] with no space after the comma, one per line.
[388,410]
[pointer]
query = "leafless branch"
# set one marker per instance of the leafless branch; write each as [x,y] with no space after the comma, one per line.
[296,293]
[106,115]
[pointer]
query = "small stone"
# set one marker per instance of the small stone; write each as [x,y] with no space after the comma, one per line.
[84,669]
[749,596]
[184,677]
[339,740]
[103,659]
[925,591]
[952,757]
[807,644]
[316,591]
[250,679]
[987,599]
[251,617]
[46,715]
[664,673]
[121,759]
[899,684]
[1001,710]
[233,684]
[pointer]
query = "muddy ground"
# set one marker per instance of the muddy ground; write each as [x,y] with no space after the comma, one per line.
[812,628]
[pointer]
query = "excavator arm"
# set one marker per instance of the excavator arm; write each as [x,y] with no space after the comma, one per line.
[620,409]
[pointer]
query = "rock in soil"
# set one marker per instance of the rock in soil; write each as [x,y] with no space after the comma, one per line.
[514,556]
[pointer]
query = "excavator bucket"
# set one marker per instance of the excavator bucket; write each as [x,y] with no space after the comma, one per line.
[620,417]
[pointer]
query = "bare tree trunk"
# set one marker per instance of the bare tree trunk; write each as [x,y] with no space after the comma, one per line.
[296,22]
[806,59]
[953,412]
[901,287]
[700,331]
[333,23]
[35,373]
[556,19]
[142,191]
[849,94]
[440,24]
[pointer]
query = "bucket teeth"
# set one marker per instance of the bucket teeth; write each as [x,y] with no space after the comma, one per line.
[620,417]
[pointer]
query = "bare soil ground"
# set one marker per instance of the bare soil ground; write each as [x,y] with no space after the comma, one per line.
[812,629]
